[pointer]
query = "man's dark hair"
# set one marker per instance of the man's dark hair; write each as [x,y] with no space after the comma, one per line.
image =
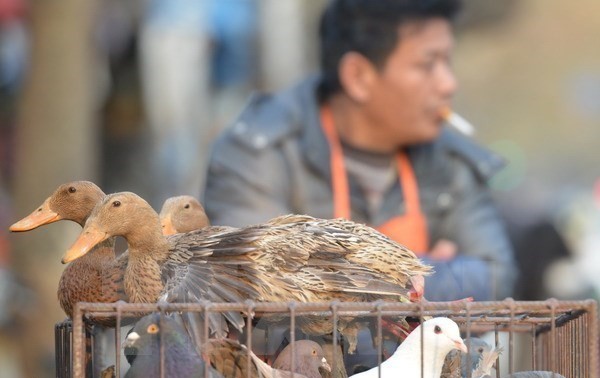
[369,27]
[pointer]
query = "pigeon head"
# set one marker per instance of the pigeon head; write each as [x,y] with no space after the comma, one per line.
[152,330]
[441,333]
[477,348]
[309,358]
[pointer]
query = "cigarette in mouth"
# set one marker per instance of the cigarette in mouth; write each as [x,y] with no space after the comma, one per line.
[458,122]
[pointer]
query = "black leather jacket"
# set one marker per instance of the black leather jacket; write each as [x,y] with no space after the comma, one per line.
[274,160]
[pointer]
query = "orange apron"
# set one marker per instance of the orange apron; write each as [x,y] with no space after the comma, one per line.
[409,229]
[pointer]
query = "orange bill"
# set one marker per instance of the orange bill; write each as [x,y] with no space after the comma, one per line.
[39,217]
[86,241]
[167,226]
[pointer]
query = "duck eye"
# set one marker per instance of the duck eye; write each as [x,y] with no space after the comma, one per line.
[187,206]
[152,329]
[72,189]
[116,203]
[437,329]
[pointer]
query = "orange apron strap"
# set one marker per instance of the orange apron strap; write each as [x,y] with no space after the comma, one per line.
[409,229]
[339,179]
[408,181]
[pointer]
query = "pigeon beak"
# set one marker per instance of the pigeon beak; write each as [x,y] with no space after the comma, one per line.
[325,365]
[460,345]
[131,339]
[86,241]
[167,226]
[39,217]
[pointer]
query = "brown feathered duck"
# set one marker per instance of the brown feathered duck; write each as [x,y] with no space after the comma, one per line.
[182,214]
[97,276]
[290,258]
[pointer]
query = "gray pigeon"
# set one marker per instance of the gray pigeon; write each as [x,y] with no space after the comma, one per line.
[476,348]
[180,356]
[309,358]
[534,374]
[483,370]
[230,358]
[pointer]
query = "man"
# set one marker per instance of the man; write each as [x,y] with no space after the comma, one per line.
[365,140]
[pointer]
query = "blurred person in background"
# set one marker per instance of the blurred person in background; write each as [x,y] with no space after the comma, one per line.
[365,140]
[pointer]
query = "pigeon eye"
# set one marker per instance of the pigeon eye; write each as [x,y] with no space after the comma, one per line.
[72,189]
[437,329]
[480,350]
[314,352]
[116,203]
[152,329]
[187,206]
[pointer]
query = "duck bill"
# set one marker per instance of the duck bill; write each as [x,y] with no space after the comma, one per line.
[86,241]
[167,226]
[325,365]
[39,217]
[460,345]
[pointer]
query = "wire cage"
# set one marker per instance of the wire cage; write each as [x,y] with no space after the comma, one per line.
[551,335]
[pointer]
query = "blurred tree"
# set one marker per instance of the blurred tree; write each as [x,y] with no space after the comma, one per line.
[55,142]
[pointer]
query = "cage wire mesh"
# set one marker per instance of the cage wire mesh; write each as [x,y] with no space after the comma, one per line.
[553,335]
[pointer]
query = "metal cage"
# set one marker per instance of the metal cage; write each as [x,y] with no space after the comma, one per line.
[558,336]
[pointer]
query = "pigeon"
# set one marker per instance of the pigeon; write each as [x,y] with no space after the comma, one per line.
[440,336]
[534,374]
[484,368]
[230,358]
[309,357]
[179,359]
[456,362]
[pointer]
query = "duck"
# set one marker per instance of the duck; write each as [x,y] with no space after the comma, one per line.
[95,277]
[290,258]
[182,214]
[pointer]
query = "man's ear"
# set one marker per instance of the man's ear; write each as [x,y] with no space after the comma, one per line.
[357,75]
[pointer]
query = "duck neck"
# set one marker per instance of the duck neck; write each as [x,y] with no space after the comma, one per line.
[147,243]
[100,254]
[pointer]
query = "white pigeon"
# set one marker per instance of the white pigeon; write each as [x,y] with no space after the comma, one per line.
[440,336]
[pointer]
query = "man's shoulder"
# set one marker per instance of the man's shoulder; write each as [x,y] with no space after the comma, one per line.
[268,118]
[484,162]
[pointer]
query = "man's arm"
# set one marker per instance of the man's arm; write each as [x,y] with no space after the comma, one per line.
[245,186]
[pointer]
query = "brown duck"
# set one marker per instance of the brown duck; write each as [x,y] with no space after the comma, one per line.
[95,277]
[292,257]
[182,214]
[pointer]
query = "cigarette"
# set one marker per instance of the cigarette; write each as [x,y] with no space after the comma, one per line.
[458,122]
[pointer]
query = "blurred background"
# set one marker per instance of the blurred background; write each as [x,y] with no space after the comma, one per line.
[118,91]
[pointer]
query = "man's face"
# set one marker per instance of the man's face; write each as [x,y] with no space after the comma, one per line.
[415,84]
